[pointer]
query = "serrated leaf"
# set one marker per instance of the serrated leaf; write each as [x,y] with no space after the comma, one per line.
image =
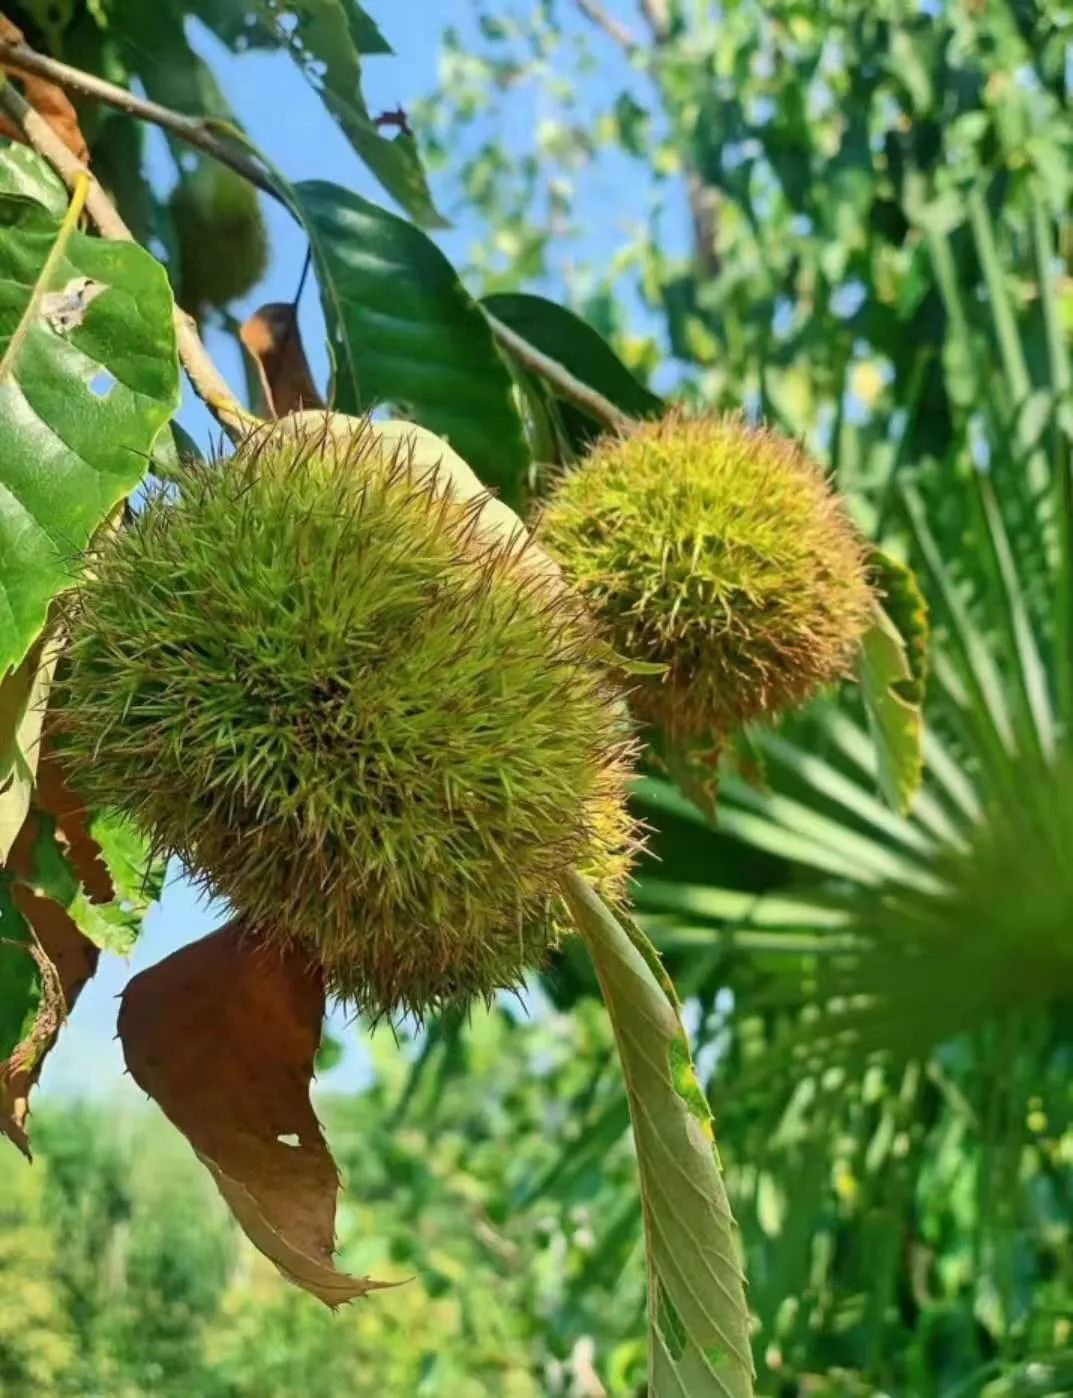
[88,376]
[698,1320]
[892,671]
[24,175]
[326,38]
[403,329]
[99,870]
[137,879]
[136,876]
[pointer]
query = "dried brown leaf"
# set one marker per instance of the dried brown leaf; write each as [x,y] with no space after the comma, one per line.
[272,338]
[222,1035]
[47,100]
[66,960]
[54,795]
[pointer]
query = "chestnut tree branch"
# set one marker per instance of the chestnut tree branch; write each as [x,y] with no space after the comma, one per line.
[658,15]
[612,27]
[207,381]
[195,131]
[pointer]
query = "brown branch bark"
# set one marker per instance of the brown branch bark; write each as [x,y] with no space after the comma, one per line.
[205,378]
[612,27]
[660,16]
[195,131]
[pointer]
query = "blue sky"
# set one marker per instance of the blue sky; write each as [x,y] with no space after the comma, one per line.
[286,119]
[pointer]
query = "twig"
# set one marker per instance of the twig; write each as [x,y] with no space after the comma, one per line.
[560,378]
[611,26]
[207,381]
[704,201]
[204,376]
[658,14]
[195,131]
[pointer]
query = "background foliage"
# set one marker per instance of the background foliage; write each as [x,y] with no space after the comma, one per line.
[877,260]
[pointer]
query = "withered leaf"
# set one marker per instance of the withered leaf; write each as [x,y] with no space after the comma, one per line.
[271,336]
[47,100]
[222,1035]
[55,796]
[66,960]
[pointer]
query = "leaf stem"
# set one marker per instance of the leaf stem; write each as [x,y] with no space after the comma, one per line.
[195,131]
[560,378]
[207,381]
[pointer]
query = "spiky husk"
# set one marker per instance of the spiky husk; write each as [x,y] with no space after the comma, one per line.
[313,678]
[717,550]
[223,242]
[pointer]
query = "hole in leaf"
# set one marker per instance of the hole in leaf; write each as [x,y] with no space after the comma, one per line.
[65,310]
[102,383]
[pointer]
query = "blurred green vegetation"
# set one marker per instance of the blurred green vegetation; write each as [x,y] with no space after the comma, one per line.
[122,1275]
[878,260]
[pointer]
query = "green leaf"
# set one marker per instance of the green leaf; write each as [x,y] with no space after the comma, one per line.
[906,607]
[24,175]
[174,448]
[325,40]
[20,980]
[136,877]
[26,690]
[693,766]
[185,81]
[574,344]
[231,21]
[88,376]
[364,30]
[403,329]
[698,1319]
[892,674]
